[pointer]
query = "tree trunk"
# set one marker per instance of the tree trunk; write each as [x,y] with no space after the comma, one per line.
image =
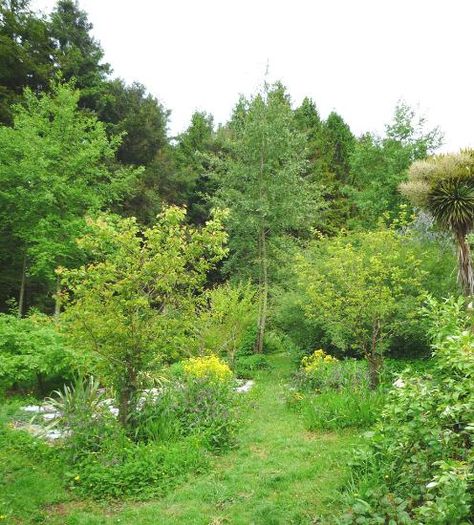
[375,368]
[465,273]
[124,406]
[41,385]
[127,397]
[21,298]
[57,299]
[374,358]
[263,301]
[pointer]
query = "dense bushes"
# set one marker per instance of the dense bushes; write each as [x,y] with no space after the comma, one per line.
[198,399]
[311,309]
[138,470]
[418,466]
[169,434]
[31,351]
[332,394]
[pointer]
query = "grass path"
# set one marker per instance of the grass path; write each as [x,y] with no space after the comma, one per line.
[278,474]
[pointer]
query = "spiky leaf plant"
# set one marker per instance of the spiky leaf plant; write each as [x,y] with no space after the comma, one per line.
[444,186]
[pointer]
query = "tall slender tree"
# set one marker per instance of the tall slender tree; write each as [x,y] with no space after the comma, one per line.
[77,54]
[262,183]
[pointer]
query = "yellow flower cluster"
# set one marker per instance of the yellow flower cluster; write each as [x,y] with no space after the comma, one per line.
[210,367]
[313,362]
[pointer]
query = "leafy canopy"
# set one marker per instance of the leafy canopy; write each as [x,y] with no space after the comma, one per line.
[132,307]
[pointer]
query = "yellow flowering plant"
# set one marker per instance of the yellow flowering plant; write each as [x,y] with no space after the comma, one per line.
[208,367]
[312,363]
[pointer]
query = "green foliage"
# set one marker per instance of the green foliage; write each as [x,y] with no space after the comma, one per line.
[333,376]
[133,307]
[77,54]
[247,366]
[443,185]
[363,288]
[228,314]
[54,167]
[85,418]
[31,350]
[288,316]
[262,178]
[332,394]
[344,409]
[379,164]
[193,158]
[420,455]
[189,405]
[138,471]
[26,50]
[247,343]
[31,477]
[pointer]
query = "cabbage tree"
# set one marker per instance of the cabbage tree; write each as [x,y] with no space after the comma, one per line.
[444,186]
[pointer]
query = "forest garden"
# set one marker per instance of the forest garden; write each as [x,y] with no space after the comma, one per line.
[265,322]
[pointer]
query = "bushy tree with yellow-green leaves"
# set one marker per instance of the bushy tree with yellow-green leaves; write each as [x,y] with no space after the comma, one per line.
[133,306]
[364,288]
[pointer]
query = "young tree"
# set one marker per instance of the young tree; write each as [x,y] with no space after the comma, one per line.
[192,166]
[379,164]
[444,186]
[224,320]
[54,167]
[261,183]
[362,289]
[133,307]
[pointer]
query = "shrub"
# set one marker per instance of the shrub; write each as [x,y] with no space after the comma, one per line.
[228,314]
[199,399]
[247,343]
[321,372]
[137,470]
[209,367]
[363,287]
[421,452]
[30,350]
[275,342]
[248,365]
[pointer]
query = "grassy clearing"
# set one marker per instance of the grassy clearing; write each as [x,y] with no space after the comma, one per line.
[278,474]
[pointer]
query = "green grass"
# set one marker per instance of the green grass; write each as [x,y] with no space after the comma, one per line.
[344,409]
[279,473]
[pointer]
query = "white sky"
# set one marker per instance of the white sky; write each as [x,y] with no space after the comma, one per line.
[357,57]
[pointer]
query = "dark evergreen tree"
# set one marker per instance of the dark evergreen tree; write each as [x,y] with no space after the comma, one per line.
[78,55]
[26,53]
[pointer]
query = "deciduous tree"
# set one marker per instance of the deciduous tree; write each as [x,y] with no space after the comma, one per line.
[133,306]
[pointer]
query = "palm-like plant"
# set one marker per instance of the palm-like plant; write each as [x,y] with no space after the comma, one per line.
[444,186]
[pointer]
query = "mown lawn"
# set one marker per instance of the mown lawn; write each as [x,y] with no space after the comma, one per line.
[278,474]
